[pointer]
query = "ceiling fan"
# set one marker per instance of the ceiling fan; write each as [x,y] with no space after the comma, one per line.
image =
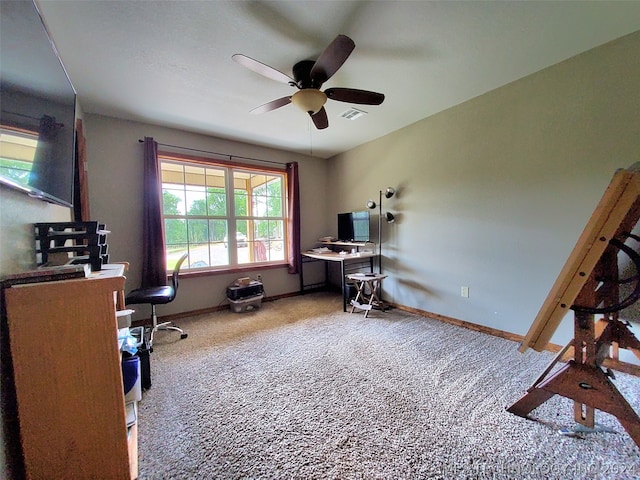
[308,77]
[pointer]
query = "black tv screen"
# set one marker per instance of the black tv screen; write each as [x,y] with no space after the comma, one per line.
[353,226]
[37,108]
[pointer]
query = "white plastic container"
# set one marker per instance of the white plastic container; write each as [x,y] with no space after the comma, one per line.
[245,304]
[124,318]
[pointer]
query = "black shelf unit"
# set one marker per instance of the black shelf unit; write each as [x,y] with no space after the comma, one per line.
[85,241]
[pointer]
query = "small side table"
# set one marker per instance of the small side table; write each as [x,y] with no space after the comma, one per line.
[372,282]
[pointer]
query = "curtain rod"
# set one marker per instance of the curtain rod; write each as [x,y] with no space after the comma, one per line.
[218,153]
[17,114]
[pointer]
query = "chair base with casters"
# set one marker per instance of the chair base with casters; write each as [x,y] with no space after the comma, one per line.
[155,326]
[159,295]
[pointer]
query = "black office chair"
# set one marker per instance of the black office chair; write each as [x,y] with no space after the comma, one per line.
[159,296]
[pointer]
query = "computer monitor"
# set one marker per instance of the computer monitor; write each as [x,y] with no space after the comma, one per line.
[354,226]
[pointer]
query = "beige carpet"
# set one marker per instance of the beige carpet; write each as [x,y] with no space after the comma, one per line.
[301,390]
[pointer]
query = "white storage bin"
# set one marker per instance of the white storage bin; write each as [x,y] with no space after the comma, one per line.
[245,304]
[124,318]
[138,334]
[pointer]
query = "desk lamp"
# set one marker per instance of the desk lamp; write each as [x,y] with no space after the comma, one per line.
[388,216]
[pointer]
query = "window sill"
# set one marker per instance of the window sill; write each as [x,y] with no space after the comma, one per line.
[235,269]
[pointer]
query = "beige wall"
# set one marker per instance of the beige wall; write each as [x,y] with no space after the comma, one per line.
[115,182]
[18,212]
[494,193]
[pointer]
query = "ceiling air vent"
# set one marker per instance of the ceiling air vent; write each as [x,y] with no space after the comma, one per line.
[353,113]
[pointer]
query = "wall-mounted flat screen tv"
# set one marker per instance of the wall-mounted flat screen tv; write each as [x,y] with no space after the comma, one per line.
[353,226]
[37,108]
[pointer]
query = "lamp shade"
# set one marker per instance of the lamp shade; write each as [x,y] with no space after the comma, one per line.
[389,217]
[389,192]
[309,100]
[371,204]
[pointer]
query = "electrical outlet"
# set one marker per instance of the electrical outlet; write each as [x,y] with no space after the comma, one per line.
[464,292]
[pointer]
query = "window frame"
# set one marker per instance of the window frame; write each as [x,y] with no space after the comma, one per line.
[231,217]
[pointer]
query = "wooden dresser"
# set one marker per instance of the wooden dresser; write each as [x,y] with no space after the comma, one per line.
[68,378]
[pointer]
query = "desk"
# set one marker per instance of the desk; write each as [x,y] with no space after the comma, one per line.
[373,283]
[357,260]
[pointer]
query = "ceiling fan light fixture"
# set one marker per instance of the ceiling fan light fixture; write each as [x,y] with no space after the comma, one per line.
[309,100]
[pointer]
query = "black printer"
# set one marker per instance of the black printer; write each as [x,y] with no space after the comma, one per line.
[236,292]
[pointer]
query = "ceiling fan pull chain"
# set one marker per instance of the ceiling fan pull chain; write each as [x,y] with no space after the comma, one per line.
[310,136]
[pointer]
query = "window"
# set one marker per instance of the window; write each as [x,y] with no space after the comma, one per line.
[224,216]
[18,148]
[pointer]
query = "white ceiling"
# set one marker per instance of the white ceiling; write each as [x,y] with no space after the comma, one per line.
[169,62]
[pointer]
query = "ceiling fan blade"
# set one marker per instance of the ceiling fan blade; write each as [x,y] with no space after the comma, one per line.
[351,95]
[320,119]
[331,59]
[262,69]
[272,105]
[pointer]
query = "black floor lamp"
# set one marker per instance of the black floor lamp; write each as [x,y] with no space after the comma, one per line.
[388,216]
